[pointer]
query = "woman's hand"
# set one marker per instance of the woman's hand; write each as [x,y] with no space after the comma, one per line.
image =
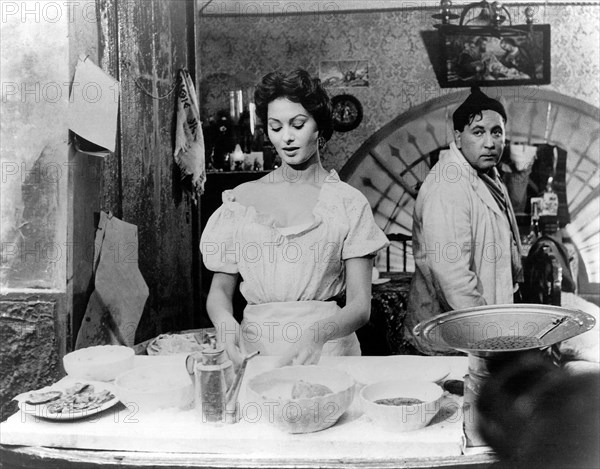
[230,339]
[307,351]
[220,310]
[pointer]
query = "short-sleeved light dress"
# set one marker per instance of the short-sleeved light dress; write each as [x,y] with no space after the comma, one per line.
[290,274]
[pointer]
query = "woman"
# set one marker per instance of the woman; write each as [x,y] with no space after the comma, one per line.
[298,237]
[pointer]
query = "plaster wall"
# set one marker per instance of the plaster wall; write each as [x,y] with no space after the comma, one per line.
[35,91]
[40,43]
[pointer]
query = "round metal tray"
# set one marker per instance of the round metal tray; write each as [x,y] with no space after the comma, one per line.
[469,329]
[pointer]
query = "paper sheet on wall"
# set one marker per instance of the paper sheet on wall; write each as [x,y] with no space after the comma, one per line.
[117,302]
[94,104]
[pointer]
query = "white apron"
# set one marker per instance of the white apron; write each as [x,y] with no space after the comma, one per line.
[272,328]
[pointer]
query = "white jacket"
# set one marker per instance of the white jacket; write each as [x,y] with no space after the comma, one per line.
[461,244]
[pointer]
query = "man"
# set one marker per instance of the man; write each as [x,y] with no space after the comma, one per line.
[465,237]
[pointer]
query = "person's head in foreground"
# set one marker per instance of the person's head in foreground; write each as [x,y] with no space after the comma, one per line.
[539,416]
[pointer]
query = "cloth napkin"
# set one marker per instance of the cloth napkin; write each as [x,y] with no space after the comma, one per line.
[189,140]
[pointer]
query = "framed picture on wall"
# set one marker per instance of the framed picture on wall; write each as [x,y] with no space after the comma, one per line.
[344,73]
[515,55]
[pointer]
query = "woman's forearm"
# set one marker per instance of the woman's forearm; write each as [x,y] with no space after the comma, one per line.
[219,305]
[220,311]
[346,321]
[357,311]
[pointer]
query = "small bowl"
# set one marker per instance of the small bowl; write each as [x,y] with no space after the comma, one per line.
[401,418]
[155,387]
[272,390]
[99,363]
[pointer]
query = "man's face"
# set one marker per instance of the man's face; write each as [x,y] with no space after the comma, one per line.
[482,141]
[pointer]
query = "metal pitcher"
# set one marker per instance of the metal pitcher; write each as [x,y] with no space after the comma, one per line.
[216,385]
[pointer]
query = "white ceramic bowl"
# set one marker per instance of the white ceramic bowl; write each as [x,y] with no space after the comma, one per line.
[155,387]
[272,390]
[99,363]
[401,418]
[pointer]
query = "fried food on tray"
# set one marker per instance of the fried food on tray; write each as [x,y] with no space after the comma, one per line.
[37,398]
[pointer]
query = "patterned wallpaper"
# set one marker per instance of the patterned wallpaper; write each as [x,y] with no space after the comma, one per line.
[239,50]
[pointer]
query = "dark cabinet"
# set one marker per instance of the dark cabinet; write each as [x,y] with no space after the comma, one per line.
[211,200]
[216,183]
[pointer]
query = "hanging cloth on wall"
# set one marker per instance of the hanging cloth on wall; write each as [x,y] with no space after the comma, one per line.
[120,292]
[189,140]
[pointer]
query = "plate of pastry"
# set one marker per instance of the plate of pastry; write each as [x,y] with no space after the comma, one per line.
[68,400]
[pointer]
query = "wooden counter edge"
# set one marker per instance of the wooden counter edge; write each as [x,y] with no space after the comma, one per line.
[56,458]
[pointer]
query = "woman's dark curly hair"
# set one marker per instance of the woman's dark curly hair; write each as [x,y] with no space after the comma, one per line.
[299,87]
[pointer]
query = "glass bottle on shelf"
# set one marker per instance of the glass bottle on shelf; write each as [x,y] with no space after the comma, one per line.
[549,200]
[244,133]
[221,140]
[269,155]
[534,232]
[237,159]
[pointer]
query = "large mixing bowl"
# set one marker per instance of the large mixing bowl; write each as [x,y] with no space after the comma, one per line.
[273,391]
[99,363]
